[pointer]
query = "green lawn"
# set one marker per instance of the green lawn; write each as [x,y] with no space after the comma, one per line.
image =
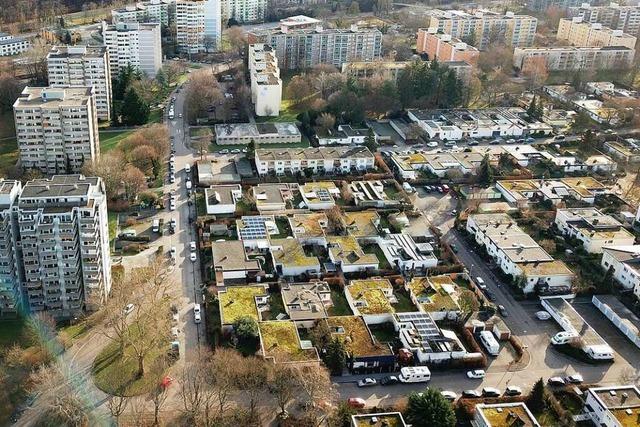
[113,224]
[375,249]
[155,116]
[110,139]
[340,305]
[8,154]
[404,304]
[11,332]
[75,331]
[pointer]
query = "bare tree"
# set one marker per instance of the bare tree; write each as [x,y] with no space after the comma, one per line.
[236,38]
[315,384]
[134,182]
[283,383]
[202,147]
[117,405]
[122,290]
[299,89]
[194,388]
[326,122]
[110,167]
[158,397]
[203,91]
[251,380]
[345,191]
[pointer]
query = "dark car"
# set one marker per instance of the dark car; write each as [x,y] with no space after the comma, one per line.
[471,394]
[390,380]
[491,392]
[454,248]
[490,295]
[503,311]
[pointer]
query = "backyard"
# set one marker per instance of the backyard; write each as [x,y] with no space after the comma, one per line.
[109,139]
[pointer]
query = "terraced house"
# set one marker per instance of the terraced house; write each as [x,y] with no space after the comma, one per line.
[321,160]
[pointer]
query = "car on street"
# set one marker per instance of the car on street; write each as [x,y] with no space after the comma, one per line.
[491,392]
[367,382]
[390,380]
[173,251]
[175,332]
[471,394]
[503,311]
[510,141]
[454,248]
[556,381]
[495,142]
[173,222]
[175,317]
[356,402]
[543,315]
[490,295]
[129,308]
[192,246]
[512,390]
[432,144]
[197,313]
[224,151]
[574,379]
[172,178]
[480,283]
[449,395]
[476,374]
[234,151]
[193,257]
[172,205]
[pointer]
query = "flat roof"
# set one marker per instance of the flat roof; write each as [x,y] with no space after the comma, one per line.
[231,256]
[244,130]
[362,223]
[304,299]
[312,153]
[292,254]
[588,336]
[506,415]
[222,194]
[371,292]
[382,419]
[269,193]
[308,225]
[435,293]
[239,301]
[54,97]
[347,250]
[355,334]
[279,339]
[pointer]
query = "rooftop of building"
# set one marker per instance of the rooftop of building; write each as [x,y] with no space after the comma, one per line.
[224,194]
[54,97]
[382,419]
[243,130]
[306,297]
[239,301]
[59,186]
[371,295]
[362,223]
[347,251]
[280,340]
[355,334]
[290,253]
[622,401]
[312,153]
[90,51]
[507,415]
[231,256]
[270,193]
[548,268]
[311,225]
[435,293]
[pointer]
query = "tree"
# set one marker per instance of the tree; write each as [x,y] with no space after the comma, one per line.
[251,380]
[315,386]
[10,89]
[335,356]
[485,174]
[346,106]
[536,70]
[236,38]
[325,122]
[134,110]
[117,405]
[382,7]
[341,416]
[468,302]
[370,141]
[202,147]
[536,399]
[110,167]
[283,384]
[144,157]
[251,149]
[414,132]
[299,89]
[429,409]
[345,191]
[134,182]
[354,8]
[158,396]
[334,215]
[245,329]
[203,92]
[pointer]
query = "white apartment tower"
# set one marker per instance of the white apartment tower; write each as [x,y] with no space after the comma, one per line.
[56,128]
[198,25]
[266,85]
[135,44]
[10,266]
[64,239]
[244,11]
[83,66]
[159,11]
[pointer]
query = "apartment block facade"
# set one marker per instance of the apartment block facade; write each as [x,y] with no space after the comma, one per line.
[244,11]
[83,66]
[198,25]
[485,27]
[317,160]
[577,58]
[10,267]
[443,47]
[614,16]
[586,34]
[64,240]
[157,11]
[266,85]
[300,48]
[133,44]
[10,45]
[56,128]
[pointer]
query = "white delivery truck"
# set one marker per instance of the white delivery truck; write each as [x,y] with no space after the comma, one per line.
[490,343]
[156,225]
[414,374]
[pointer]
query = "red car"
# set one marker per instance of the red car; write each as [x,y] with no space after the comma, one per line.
[356,402]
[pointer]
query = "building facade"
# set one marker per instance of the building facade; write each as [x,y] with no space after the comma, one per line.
[243,11]
[157,11]
[615,406]
[315,160]
[625,264]
[306,47]
[576,58]
[577,32]
[614,16]
[484,27]
[266,85]
[443,47]
[593,228]
[133,44]
[56,128]
[11,272]
[10,45]
[64,240]
[198,25]
[83,66]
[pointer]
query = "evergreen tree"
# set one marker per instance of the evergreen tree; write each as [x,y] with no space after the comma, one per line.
[485,174]
[531,110]
[335,356]
[161,78]
[251,149]
[429,409]
[370,141]
[535,401]
[134,110]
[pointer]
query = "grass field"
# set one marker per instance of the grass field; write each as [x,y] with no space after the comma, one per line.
[11,333]
[8,154]
[110,139]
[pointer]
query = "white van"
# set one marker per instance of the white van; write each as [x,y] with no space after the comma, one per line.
[599,352]
[407,187]
[480,283]
[156,225]
[563,337]
[189,185]
[490,343]
[417,374]
[128,233]
[187,168]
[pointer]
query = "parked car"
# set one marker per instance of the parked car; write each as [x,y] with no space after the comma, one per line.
[543,315]
[172,205]
[574,379]
[193,257]
[235,151]
[513,390]
[491,392]
[356,402]
[556,381]
[480,283]
[223,151]
[175,332]
[503,311]
[432,144]
[129,308]
[490,295]
[390,380]
[454,248]
[495,142]
[367,382]
[192,246]
[476,374]
[471,393]
[449,395]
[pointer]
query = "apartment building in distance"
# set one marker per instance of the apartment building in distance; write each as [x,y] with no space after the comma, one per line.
[56,128]
[572,58]
[443,47]
[64,236]
[243,11]
[198,25]
[485,26]
[614,16]
[10,266]
[133,44]
[297,45]
[593,228]
[10,45]
[83,66]
[266,85]
[576,32]
[543,5]
[317,160]
[158,11]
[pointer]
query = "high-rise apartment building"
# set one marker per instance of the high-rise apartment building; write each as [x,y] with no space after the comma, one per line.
[443,47]
[198,25]
[10,265]
[135,44]
[83,66]
[543,5]
[64,240]
[586,34]
[614,16]
[306,47]
[576,58]
[484,27]
[266,85]
[10,45]
[243,11]
[157,11]
[57,128]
